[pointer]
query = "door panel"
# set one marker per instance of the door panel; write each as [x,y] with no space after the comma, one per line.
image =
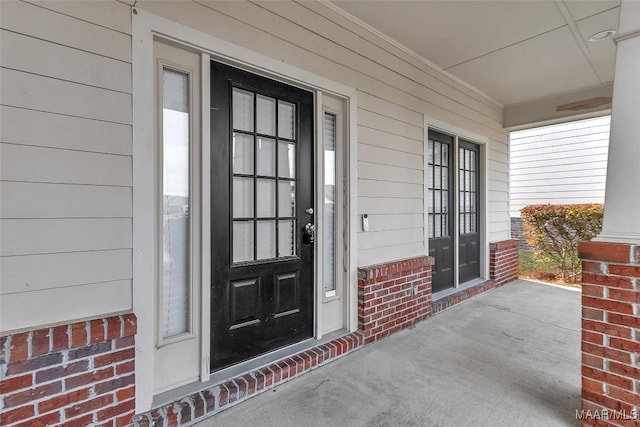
[469,196]
[261,186]
[440,207]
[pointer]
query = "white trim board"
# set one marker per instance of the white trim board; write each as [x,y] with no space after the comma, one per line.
[433,123]
[236,55]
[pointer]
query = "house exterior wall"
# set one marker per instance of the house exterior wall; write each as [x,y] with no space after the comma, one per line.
[394,91]
[66,183]
[66,165]
[559,164]
[67,168]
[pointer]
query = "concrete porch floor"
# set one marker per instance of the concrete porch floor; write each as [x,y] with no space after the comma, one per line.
[509,357]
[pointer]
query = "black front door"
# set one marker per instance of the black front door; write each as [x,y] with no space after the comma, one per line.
[261,193]
[469,239]
[440,206]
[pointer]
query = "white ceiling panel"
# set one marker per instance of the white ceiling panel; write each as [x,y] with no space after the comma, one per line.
[516,51]
[452,32]
[581,9]
[602,52]
[530,70]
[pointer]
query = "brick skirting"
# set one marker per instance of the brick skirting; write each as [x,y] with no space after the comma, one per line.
[610,331]
[216,398]
[456,298]
[393,296]
[74,375]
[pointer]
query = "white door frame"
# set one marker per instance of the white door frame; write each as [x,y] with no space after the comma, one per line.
[457,132]
[146,26]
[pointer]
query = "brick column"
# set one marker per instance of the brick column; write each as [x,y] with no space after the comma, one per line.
[610,331]
[503,261]
[393,296]
[74,375]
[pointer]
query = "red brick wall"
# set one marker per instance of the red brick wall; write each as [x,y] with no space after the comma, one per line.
[456,298]
[610,330]
[503,261]
[393,296]
[76,375]
[218,397]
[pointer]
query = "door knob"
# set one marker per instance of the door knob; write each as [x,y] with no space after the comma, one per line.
[309,233]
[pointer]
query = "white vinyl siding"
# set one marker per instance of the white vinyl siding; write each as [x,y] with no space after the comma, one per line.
[66,136]
[390,181]
[498,190]
[66,166]
[395,91]
[558,164]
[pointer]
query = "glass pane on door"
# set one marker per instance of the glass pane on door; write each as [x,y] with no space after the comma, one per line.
[242,152]
[266,163]
[438,189]
[266,115]
[264,177]
[242,197]
[242,241]
[468,190]
[286,238]
[286,120]
[286,160]
[242,110]
[266,240]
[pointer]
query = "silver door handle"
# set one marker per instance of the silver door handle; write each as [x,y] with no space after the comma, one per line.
[310,229]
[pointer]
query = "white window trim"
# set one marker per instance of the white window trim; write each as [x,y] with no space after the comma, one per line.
[145,26]
[194,229]
[327,104]
[205,224]
[483,141]
[339,195]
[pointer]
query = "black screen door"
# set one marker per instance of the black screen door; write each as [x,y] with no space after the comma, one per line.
[261,191]
[440,207]
[468,191]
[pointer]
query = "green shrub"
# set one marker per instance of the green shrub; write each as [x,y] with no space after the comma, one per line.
[533,266]
[553,232]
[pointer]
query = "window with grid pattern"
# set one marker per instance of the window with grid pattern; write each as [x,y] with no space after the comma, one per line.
[468,185]
[438,188]
[264,177]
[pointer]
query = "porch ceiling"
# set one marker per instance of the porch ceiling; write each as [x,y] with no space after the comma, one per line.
[517,52]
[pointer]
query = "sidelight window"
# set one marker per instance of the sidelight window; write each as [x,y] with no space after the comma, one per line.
[176,203]
[329,205]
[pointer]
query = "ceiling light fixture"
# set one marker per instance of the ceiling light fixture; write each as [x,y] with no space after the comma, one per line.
[602,35]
